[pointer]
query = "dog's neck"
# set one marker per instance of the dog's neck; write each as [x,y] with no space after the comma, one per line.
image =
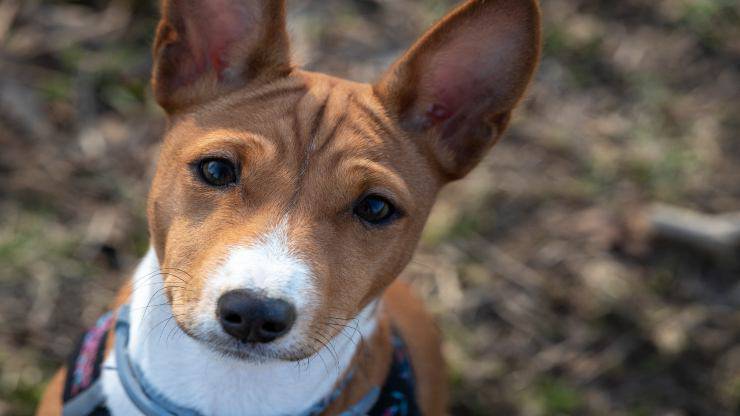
[194,376]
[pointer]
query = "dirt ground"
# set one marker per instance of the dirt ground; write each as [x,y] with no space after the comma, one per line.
[552,297]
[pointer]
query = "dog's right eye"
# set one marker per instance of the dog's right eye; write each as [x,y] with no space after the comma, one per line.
[217,172]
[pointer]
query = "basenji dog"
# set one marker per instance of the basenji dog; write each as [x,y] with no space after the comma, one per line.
[284,205]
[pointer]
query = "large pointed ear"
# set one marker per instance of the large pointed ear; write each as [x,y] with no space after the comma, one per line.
[456,87]
[205,48]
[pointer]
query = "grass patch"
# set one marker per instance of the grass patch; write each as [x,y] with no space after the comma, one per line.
[555,397]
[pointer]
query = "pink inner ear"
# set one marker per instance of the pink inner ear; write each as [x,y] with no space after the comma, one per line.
[475,67]
[437,113]
[215,27]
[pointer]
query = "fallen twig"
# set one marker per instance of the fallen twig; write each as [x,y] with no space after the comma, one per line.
[715,234]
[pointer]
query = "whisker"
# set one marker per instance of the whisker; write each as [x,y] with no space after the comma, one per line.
[179,270]
[154,274]
[148,281]
[159,341]
[151,298]
[318,353]
[329,346]
[155,326]
[341,331]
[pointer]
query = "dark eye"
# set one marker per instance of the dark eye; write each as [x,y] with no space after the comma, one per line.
[374,210]
[218,172]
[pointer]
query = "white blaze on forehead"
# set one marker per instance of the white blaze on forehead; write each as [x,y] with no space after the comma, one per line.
[269,267]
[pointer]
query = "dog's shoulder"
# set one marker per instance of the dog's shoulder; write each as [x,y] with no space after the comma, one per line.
[51,401]
[423,340]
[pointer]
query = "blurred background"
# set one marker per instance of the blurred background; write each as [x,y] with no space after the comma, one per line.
[560,287]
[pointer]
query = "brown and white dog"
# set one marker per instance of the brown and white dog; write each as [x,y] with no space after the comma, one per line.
[286,203]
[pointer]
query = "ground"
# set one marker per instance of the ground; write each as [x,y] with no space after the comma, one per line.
[552,299]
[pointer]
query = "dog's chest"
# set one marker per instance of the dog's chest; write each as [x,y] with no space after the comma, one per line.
[223,387]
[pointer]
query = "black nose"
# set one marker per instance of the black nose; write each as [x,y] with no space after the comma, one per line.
[250,317]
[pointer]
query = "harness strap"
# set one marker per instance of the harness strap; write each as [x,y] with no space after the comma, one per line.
[85,403]
[362,407]
[139,391]
[398,396]
[152,403]
[84,395]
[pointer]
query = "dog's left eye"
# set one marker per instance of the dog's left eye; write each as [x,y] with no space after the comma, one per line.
[217,172]
[375,210]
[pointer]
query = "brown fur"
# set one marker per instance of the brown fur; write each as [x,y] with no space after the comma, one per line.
[309,145]
[425,346]
[51,401]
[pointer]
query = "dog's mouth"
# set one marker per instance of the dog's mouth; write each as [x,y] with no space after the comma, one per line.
[227,346]
[255,352]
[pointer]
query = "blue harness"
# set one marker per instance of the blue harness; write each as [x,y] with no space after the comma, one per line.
[83,394]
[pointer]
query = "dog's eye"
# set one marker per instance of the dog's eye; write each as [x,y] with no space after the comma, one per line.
[218,172]
[374,210]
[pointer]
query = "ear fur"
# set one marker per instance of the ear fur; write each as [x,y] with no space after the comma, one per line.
[205,48]
[456,87]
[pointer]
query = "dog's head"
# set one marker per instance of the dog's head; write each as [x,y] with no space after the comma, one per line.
[286,201]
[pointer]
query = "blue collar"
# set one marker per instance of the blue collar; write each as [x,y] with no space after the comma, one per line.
[152,403]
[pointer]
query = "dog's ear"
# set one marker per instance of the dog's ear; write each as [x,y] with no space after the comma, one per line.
[207,48]
[456,87]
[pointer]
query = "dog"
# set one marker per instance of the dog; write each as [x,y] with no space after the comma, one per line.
[284,205]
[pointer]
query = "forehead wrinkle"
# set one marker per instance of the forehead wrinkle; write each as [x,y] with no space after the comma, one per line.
[356,143]
[280,90]
[319,132]
[335,112]
[378,121]
[369,137]
[249,109]
[311,133]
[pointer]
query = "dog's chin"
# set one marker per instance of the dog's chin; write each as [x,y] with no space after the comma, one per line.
[229,347]
[249,351]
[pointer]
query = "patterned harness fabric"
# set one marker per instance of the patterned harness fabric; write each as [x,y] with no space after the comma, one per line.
[83,394]
[398,395]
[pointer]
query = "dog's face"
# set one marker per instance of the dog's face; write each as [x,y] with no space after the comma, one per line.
[301,190]
[286,201]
